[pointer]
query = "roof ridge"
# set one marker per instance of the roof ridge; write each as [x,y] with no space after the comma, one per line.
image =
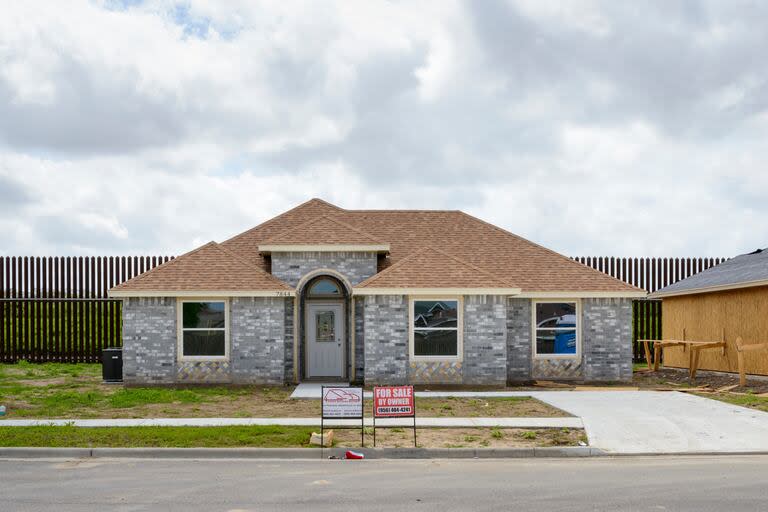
[316,219]
[423,249]
[153,269]
[274,219]
[551,251]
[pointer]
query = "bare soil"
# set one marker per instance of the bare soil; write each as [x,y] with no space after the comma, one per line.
[671,378]
[462,437]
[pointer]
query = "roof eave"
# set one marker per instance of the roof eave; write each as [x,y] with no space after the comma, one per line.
[120,294]
[708,289]
[270,248]
[436,291]
[597,294]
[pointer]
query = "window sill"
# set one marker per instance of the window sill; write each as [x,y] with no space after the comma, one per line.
[557,356]
[202,359]
[436,359]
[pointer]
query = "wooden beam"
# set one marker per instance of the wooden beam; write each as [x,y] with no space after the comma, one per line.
[646,346]
[740,357]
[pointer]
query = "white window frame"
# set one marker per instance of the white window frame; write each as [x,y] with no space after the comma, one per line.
[535,328]
[180,329]
[459,328]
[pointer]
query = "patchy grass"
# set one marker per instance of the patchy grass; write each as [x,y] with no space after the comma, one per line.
[76,391]
[184,437]
[748,400]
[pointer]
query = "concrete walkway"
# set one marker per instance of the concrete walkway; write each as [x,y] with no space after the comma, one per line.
[305,422]
[662,422]
[311,390]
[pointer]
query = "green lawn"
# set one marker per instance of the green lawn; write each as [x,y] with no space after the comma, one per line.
[183,437]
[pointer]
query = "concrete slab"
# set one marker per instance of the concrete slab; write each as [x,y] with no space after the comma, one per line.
[312,389]
[662,422]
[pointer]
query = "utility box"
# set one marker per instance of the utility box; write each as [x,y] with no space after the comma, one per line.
[112,364]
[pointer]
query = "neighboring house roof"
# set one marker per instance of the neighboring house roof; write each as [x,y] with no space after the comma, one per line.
[510,258]
[324,232]
[209,270]
[743,271]
[433,269]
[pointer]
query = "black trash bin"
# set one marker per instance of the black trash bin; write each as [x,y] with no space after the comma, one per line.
[112,364]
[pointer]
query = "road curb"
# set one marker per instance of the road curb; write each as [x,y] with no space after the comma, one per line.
[298,453]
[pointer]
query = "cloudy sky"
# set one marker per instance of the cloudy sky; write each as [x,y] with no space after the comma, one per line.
[618,128]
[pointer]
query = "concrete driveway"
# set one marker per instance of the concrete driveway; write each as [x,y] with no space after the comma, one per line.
[662,422]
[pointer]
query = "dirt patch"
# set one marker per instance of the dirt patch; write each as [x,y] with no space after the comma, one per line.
[462,437]
[666,378]
[508,407]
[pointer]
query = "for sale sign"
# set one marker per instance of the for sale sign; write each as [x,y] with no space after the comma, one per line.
[342,402]
[393,401]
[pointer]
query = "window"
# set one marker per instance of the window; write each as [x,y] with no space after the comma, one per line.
[325,326]
[556,328]
[324,288]
[435,328]
[203,329]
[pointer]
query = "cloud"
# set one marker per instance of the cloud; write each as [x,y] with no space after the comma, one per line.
[593,127]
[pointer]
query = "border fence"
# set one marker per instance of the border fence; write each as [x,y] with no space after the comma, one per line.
[56,308]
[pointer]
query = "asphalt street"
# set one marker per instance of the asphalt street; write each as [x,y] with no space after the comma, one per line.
[694,483]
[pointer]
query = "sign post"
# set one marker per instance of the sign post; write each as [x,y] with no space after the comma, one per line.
[341,403]
[394,402]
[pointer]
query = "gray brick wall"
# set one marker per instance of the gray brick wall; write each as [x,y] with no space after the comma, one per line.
[607,339]
[519,339]
[257,344]
[288,328]
[359,312]
[149,340]
[257,336]
[485,340]
[292,266]
[386,339]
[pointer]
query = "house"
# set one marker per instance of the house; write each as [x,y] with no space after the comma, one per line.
[374,296]
[724,302]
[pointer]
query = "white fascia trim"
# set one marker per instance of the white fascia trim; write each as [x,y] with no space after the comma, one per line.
[582,295]
[435,291]
[708,289]
[325,248]
[202,293]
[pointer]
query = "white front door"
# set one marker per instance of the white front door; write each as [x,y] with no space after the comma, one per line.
[325,340]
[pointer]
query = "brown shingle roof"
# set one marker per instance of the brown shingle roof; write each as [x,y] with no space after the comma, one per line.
[210,268]
[511,258]
[432,268]
[323,230]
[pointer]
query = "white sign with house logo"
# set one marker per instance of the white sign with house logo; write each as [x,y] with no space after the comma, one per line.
[342,402]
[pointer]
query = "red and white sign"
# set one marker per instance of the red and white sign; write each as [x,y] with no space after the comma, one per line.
[389,401]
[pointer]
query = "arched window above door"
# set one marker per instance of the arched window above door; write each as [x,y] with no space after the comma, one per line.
[324,288]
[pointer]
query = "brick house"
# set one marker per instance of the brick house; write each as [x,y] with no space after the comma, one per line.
[374,296]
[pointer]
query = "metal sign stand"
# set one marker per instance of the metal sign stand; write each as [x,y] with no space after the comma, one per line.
[323,417]
[373,411]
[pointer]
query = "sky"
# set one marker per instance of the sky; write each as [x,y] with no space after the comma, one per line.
[594,128]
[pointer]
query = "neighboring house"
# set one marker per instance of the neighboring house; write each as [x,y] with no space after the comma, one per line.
[731,300]
[380,296]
